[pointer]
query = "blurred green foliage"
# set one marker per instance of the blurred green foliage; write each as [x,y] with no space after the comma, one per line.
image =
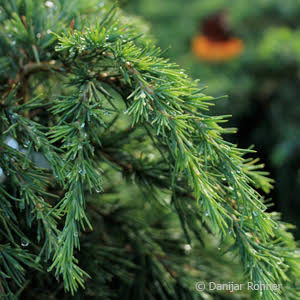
[262,84]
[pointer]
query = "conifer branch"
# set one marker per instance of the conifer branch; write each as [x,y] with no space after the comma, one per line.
[173,125]
[120,108]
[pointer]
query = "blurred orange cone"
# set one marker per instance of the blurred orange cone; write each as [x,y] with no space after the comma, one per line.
[216,42]
[210,50]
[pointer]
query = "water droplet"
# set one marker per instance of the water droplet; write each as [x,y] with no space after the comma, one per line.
[207,213]
[143,95]
[38,35]
[255,213]
[223,178]
[24,243]
[187,248]
[98,190]
[26,144]
[75,234]
[219,248]
[82,171]
[79,147]
[82,125]
[49,4]
[231,188]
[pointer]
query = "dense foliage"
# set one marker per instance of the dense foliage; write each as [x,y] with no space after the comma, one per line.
[262,83]
[114,176]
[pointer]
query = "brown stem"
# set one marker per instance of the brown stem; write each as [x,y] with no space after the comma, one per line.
[126,167]
[31,68]
[27,71]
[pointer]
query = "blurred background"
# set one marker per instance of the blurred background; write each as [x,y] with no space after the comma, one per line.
[250,51]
